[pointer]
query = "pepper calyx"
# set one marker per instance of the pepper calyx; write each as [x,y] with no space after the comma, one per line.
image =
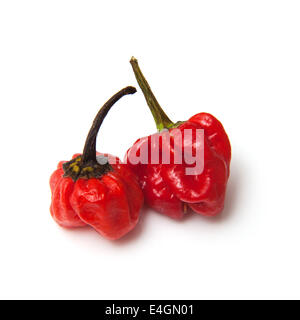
[76,168]
[175,125]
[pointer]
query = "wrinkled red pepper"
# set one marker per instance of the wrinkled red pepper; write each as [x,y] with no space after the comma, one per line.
[94,190]
[166,187]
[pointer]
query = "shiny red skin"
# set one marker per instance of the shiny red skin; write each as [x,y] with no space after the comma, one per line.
[166,187]
[110,204]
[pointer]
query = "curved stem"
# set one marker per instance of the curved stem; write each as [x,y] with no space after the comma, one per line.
[161,119]
[89,151]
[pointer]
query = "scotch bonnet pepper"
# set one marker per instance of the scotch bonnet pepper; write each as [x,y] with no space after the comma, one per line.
[96,189]
[166,187]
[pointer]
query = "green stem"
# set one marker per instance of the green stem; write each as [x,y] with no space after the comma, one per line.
[161,119]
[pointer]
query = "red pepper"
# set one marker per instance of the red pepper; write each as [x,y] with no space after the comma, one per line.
[166,187]
[94,190]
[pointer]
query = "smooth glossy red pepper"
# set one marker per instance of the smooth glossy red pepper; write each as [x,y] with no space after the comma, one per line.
[166,187]
[96,189]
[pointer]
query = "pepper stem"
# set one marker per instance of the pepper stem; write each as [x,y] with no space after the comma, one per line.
[161,119]
[86,165]
[89,151]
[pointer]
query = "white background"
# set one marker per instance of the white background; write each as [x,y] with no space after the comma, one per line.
[239,60]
